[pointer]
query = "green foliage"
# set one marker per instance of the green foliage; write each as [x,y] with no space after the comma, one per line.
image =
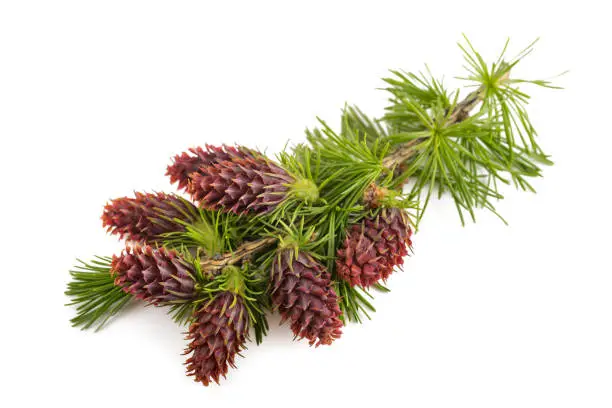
[502,99]
[182,313]
[407,89]
[94,293]
[355,124]
[345,157]
[210,232]
[354,302]
[443,161]
[467,156]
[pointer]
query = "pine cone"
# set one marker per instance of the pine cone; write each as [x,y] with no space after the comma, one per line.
[147,216]
[217,334]
[303,293]
[374,247]
[185,164]
[241,185]
[158,276]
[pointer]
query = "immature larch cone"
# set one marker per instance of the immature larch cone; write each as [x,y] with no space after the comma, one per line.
[302,291]
[159,276]
[147,216]
[217,334]
[241,185]
[187,163]
[374,247]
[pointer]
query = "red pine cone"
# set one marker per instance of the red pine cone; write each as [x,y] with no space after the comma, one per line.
[147,216]
[156,275]
[303,293]
[374,247]
[217,334]
[241,185]
[185,164]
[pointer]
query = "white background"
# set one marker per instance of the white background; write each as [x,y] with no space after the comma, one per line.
[95,97]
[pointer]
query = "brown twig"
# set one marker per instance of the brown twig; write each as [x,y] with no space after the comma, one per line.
[401,154]
[211,266]
[463,108]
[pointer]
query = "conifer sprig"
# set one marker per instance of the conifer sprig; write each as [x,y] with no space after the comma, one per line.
[314,234]
[446,145]
[502,99]
[346,156]
[407,89]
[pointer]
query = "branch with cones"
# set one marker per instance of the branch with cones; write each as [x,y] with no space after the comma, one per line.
[311,233]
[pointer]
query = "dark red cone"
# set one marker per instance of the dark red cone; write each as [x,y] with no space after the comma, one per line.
[147,216]
[242,185]
[218,332]
[187,163]
[374,247]
[158,276]
[303,293]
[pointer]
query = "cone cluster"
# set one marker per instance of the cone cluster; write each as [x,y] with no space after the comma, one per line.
[214,291]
